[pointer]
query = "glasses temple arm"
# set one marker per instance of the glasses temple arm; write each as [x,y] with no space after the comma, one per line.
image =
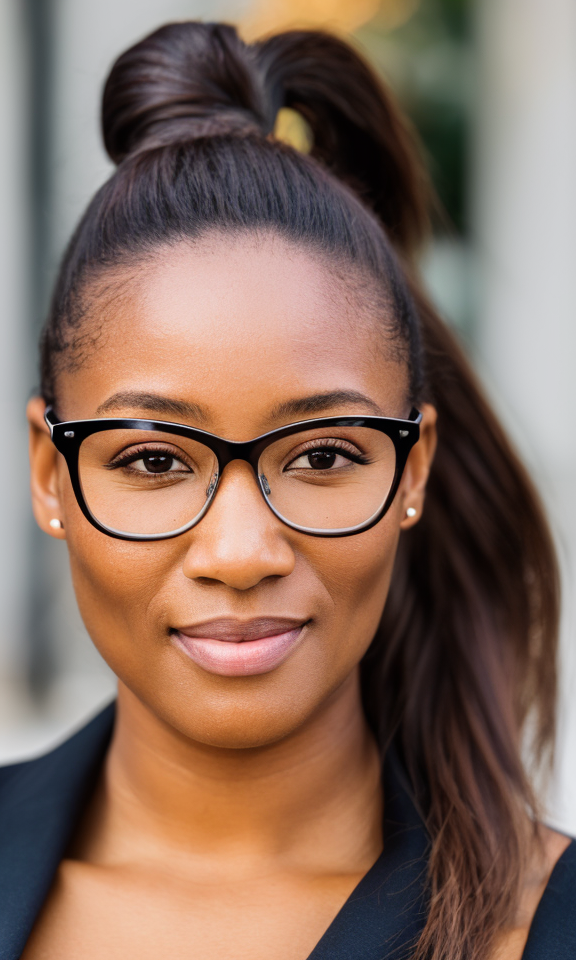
[50,418]
[415,415]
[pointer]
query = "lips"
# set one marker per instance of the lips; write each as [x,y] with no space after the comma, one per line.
[235,648]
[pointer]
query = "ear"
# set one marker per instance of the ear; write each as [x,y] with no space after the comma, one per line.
[413,487]
[44,472]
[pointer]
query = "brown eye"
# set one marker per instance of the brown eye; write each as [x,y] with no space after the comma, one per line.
[321,459]
[324,458]
[158,463]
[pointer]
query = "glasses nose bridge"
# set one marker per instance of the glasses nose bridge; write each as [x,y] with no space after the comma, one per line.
[246,450]
[249,451]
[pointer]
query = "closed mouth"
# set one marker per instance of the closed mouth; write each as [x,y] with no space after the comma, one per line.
[231,630]
[235,648]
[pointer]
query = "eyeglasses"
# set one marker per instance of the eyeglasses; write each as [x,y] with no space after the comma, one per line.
[153,480]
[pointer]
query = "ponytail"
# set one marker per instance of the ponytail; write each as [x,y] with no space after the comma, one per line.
[465,654]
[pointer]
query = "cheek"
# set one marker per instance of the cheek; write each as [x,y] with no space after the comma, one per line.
[117,585]
[356,573]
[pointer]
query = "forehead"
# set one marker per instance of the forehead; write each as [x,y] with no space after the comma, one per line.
[238,326]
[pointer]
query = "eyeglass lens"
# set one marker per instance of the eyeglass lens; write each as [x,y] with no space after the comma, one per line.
[138,482]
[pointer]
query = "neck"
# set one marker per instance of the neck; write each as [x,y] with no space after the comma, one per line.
[313,798]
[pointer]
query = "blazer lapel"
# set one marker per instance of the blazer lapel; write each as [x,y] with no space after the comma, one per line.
[40,803]
[553,929]
[386,913]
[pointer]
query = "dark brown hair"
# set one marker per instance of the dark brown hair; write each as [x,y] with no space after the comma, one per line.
[466,651]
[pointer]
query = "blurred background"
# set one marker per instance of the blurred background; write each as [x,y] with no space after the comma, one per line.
[491,87]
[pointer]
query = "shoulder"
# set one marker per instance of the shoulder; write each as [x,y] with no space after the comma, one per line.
[38,796]
[40,802]
[553,929]
[56,768]
[7,773]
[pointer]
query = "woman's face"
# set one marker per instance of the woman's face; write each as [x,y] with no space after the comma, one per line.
[236,337]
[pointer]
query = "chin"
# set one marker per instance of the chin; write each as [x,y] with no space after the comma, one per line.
[259,717]
[226,730]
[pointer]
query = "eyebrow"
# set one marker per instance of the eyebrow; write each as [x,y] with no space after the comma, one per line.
[170,406]
[321,402]
[153,403]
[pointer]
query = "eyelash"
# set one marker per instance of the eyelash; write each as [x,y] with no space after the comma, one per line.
[310,446]
[314,446]
[125,459]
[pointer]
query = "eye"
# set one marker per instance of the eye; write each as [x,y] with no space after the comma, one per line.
[157,463]
[149,461]
[326,455]
[319,460]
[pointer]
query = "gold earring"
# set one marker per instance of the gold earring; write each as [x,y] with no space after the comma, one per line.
[411,512]
[56,524]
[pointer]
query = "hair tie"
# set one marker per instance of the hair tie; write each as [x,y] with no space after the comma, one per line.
[292,128]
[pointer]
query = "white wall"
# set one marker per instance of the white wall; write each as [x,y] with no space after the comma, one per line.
[14,500]
[525,213]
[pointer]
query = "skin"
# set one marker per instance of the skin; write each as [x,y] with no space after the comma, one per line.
[223,824]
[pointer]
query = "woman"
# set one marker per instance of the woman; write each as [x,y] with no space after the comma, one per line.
[324,678]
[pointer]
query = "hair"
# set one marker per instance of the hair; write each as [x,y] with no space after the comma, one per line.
[464,661]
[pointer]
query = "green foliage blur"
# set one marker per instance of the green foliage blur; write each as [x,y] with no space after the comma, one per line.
[428,62]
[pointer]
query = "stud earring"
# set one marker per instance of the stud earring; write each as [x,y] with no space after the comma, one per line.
[56,524]
[411,512]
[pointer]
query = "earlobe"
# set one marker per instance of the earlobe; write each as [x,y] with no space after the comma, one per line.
[43,472]
[418,469]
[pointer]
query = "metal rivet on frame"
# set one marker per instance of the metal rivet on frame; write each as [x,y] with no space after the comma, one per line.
[403,433]
[68,433]
[265,485]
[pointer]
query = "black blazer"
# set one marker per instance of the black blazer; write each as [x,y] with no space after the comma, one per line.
[41,801]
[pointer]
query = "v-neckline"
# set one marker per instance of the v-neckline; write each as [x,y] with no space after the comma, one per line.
[386,912]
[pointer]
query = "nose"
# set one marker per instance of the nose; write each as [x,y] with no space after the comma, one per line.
[239,542]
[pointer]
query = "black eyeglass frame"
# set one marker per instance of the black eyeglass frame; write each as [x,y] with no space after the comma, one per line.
[68,436]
